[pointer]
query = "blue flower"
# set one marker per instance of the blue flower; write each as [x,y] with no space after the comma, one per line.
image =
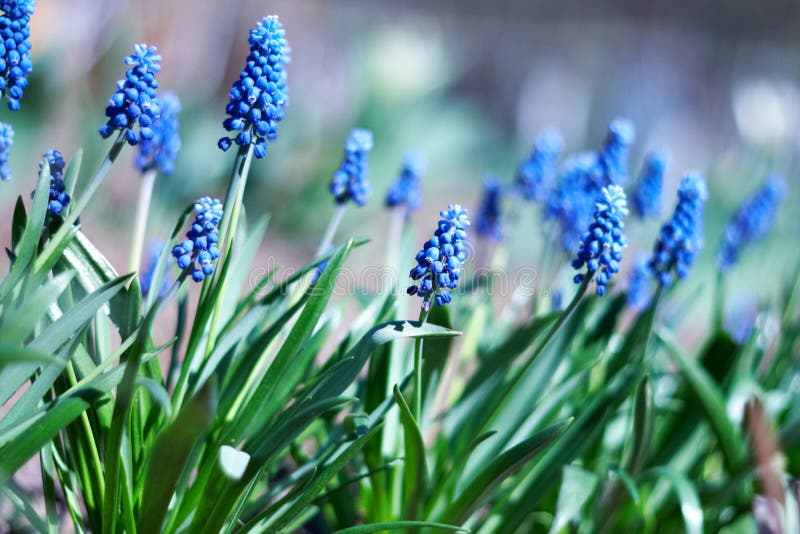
[200,249]
[640,284]
[59,199]
[681,238]
[536,174]
[488,224]
[6,140]
[159,153]
[405,191]
[740,318]
[439,262]
[612,160]
[259,96]
[571,203]
[351,179]
[752,221]
[646,198]
[146,275]
[601,246]
[135,100]
[15,49]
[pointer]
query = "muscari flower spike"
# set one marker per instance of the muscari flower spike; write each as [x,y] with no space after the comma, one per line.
[439,262]
[571,203]
[351,179]
[15,49]
[159,153]
[6,140]
[536,174]
[135,101]
[646,197]
[488,223]
[681,238]
[752,221]
[601,246]
[59,199]
[259,96]
[405,190]
[146,275]
[612,159]
[640,282]
[200,248]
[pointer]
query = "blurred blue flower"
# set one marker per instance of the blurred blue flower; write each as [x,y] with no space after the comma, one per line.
[405,190]
[259,96]
[646,197]
[571,203]
[613,157]
[200,248]
[159,153]
[146,275]
[640,284]
[135,100]
[536,174]
[15,49]
[488,223]
[439,262]
[740,318]
[351,179]
[6,140]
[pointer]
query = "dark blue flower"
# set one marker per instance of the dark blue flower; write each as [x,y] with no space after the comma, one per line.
[351,179]
[159,153]
[488,223]
[571,203]
[135,100]
[536,174]
[15,49]
[405,190]
[613,157]
[6,140]
[259,96]
[59,199]
[601,246]
[752,221]
[200,248]
[681,238]
[646,198]
[439,262]
[640,284]
[146,275]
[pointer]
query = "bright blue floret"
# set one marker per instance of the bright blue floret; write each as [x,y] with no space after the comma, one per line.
[405,190]
[351,179]
[601,246]
[752,221]
[135,100]
[613,158]
[536,174]
[15,49]
[646,198]
[159,153]
[6,140]
[200,248]
[59,199]
[259,96]
[640,284]
[439,262]
[488,223]
[681,238]
[146,275]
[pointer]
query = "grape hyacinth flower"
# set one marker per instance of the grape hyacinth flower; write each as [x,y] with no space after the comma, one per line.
[571,202]
[405,191]
[536,174]
[146,276]
[601,246]
[439,262]
[351,179]
[135,101]
[488,224]
[15,49]
[681,238]
[259,96]
[6,140]
[200,248]
[59,199]
[646,198]
[612,159]
[159,153]
[640,291]
[752,221]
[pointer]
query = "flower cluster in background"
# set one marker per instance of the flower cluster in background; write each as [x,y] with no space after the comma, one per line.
[646,197]
[6,140]
[406,189]
[351,179]
[159,152]
[15,49]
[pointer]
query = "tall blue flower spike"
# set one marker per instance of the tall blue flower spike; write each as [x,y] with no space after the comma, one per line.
[613,157]
[6,140]
[351,179]
[571,203]
[59,199]
[405,190]
[200,248]
[752,221]
[640,284]
[439,262]
[159,153]
[146,276]
[259,96]
[135,101]
[646,197]
[536,174]
[488,223]
[15,49]
[681,238]
[601,246]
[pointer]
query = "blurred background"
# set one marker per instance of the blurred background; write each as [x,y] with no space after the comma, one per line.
[469,83]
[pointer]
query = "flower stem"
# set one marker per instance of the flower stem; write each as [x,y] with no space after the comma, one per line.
[140,226]
[330,231]
[423,318]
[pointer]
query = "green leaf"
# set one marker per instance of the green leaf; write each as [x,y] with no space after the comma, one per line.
[157,393]
[691,509]
[577,487]
[71,176]
[13,354]
[398,525]
[20,322]
[18,222]
[415,472]
[22,503]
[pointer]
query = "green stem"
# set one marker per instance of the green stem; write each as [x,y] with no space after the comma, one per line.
[142,212]
[330,231]
[719,300]
[423,318]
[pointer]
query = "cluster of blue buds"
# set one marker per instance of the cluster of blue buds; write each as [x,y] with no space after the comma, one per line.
[601,246]
[351,179]
[259,96]
[159,153]
[200,248]
[612,159]
[640,291]
[59,199]
[146,275]
[439,262]
[681,238]
[15,49]
[6,140]
[135,101]
[536,174]
[405,191]
[646,198]
[752,221]
[571,203]
[489,222]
